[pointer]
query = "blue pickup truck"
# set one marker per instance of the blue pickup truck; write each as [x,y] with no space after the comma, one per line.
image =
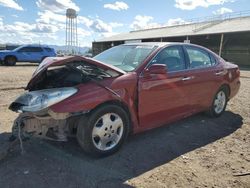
[26,53]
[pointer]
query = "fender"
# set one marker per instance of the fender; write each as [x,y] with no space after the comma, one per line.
[91,95]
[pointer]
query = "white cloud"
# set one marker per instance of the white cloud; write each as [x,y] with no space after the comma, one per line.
[193,4]
[108,34]
[10,4]
[83,33]
[86,21]
[118,5]
[22,27]
[1,22]
[175,21]
[51,20]
[44,28]
[22,32]
[49,16]
[146,22]
[100,26]
[115,24]
[143,22]
[56,5]
[222,10]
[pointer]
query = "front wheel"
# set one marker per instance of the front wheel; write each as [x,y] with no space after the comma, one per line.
[10,61]
[104,131]
[219,103]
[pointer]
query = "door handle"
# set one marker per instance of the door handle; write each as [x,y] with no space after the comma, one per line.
[219,73]
[187,78]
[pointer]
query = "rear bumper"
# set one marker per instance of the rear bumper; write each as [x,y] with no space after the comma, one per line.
[234,87]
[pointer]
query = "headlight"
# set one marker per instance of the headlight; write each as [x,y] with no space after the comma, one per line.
[38,100]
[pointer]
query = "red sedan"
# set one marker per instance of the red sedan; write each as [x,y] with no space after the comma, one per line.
[127,89]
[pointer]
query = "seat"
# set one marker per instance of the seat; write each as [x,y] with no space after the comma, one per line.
[173,63]
[195,64]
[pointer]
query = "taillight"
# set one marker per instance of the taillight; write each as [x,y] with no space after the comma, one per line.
[238,71]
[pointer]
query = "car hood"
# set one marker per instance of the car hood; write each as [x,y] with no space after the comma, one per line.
[57,61]
[5,51]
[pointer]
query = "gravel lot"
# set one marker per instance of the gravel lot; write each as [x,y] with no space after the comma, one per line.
[195,152]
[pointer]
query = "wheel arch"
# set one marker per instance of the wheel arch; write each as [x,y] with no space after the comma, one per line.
[227,88]
[10,56]
[121,104]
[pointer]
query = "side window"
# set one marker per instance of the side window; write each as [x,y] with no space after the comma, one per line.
[36,49]
[172,57]
[48,49]
[31,49]
[213,60]
[24,49]
[199,58]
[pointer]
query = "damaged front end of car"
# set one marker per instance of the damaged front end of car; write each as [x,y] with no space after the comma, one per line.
[36,118]
[52,83]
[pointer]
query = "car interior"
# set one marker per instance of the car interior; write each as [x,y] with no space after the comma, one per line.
[171,60]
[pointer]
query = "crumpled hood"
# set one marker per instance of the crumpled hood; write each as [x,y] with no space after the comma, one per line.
[57,61]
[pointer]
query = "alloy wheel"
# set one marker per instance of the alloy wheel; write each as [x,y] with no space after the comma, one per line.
[107,131]
[220,102]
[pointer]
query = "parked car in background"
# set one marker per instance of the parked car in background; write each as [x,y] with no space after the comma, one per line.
[127,89]
[26,53]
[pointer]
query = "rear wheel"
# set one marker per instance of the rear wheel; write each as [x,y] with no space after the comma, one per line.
[104,131]
[10,61]
[219,103]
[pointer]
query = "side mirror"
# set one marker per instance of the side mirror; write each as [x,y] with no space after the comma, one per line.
[157,69]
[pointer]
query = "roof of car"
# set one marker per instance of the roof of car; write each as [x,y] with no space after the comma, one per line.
[158,44]
[35,45]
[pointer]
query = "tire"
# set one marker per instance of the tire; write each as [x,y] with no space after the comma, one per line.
[104,131]
[10,61]
[219,103]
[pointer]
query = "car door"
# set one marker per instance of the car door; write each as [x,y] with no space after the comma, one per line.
[37,54]
[164,98]
[204,72]
[23,54]
[30,54]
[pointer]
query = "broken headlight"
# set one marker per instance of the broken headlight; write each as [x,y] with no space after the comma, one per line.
[38,100]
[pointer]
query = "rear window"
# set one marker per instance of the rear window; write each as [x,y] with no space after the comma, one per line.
[49,49]
[199,58]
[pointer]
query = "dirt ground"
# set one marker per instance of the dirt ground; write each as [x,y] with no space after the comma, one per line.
[195,152]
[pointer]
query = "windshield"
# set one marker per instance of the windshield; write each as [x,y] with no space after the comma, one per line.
[126,57]
[17,48]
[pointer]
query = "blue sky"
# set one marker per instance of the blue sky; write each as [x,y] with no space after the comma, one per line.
[43,21]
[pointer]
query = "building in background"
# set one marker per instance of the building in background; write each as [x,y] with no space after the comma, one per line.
[72,46]
[227,35]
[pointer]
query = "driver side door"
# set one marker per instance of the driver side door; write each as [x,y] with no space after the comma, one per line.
[163,98]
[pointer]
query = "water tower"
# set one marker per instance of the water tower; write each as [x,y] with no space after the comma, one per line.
[71,32]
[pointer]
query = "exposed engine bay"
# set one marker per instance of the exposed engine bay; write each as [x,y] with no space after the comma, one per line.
[53,85]
[70,75]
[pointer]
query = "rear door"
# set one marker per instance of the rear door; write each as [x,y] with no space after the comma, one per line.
[36,55]
[206,77]
[32,54]
[164,98]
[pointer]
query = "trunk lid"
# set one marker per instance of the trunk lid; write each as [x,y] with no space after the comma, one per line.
[58,61]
